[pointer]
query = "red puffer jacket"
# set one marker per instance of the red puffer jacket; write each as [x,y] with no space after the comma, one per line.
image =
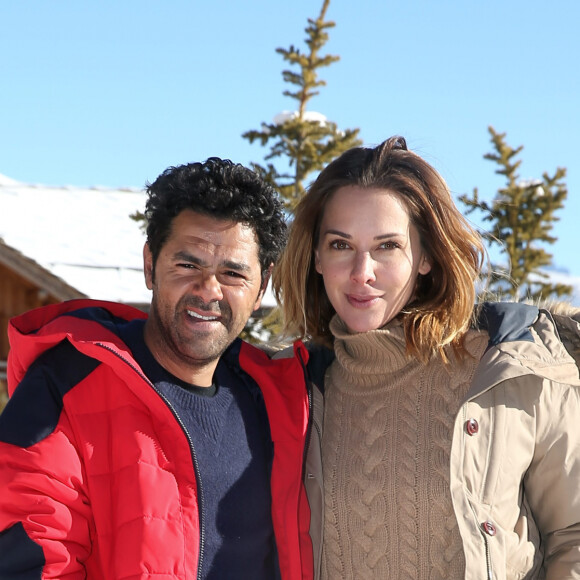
[96,474]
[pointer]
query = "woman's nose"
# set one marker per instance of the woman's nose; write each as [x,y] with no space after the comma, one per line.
[363,271]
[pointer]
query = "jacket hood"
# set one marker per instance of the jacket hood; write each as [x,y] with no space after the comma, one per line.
[83,322]
[524,340]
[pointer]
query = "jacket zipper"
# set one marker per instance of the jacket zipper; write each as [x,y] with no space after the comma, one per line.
[310,418]
[487,550]
[483,534]
[191,448]
[487,558]
[308,430]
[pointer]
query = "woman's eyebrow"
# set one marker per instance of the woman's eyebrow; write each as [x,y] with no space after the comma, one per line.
[348,236]
[336,233]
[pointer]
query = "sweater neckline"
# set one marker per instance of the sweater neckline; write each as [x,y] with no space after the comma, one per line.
[365,355]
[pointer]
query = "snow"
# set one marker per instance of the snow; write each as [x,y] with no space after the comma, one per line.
[313,116]
[6,180]
[83,235]
[558,277]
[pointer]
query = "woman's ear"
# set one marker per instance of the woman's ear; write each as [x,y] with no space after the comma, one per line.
[425,265]
[317,262]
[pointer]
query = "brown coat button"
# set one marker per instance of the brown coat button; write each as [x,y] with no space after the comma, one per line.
[472,426]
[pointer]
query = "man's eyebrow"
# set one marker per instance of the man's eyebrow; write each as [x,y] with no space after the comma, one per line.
[187,257]
[238,266]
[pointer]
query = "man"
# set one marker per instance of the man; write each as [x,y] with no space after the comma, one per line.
[161,446]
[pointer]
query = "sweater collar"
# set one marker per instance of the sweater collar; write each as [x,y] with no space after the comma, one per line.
[365,355]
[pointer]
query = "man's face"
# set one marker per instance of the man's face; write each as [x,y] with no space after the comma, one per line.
[206,283]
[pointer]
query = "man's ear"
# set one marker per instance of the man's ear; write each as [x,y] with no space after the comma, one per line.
[148,266]
[263,287]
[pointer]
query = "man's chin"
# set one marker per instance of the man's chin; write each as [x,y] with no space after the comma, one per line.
[208,354]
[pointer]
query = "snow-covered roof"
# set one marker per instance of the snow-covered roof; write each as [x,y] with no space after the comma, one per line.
[85,236]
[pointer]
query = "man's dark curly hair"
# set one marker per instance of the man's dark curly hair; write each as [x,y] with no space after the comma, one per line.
[220,189]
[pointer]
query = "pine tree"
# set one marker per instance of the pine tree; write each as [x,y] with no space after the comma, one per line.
[301,141]
[304,140]
[522,215]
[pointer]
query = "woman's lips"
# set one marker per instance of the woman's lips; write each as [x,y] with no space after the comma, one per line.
[364,301]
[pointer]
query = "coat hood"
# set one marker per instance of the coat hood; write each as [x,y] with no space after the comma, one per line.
[34,332]
[526,340]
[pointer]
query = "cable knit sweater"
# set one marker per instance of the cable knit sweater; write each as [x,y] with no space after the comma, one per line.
[386,445]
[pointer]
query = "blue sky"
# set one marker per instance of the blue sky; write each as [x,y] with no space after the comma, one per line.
[112,92]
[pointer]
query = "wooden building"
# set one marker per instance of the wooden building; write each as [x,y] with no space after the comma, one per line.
[25,285]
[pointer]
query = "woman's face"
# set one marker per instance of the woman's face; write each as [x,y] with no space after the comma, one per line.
[369,255]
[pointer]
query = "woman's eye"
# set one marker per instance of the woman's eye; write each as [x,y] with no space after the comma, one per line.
[339,245]
[389,245]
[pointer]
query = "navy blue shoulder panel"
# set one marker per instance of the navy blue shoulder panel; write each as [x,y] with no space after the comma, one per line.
[100,315]
[507,321]
[319,359]
[33,412]
[22,558]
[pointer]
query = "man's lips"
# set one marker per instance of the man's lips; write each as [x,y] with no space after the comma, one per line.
[203,317]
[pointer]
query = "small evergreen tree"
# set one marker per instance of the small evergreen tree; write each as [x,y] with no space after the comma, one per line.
[306,141]
[521,215]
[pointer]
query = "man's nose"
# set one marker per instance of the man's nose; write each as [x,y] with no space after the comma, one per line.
[209,288]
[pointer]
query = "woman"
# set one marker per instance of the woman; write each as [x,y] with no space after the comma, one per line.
[450,445]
